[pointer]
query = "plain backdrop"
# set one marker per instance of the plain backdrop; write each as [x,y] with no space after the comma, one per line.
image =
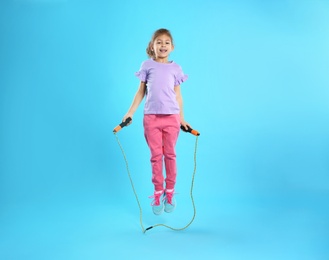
[258,92]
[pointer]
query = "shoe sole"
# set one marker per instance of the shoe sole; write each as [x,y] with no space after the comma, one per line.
[172,208]
[156,212]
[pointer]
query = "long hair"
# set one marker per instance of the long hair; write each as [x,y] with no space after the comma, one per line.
[156,34]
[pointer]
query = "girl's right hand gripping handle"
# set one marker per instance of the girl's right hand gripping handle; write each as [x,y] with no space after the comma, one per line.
[123,124]
[190,130]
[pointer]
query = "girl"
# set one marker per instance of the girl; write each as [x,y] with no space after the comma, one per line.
[160,81]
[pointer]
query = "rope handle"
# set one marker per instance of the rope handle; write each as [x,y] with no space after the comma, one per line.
[122,125]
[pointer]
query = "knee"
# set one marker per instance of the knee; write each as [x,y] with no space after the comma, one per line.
[155,157]
[171,155]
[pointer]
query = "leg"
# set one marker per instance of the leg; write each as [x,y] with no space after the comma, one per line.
[170,135]
[153,136]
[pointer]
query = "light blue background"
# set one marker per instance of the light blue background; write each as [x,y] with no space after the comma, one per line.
[258,92]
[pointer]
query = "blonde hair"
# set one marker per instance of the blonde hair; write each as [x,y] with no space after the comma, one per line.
[156,34]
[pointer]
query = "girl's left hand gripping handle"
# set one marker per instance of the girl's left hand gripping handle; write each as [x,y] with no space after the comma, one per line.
[123,124]
[190,130]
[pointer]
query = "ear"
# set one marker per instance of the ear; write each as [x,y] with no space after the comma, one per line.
[172,47]
[150,46]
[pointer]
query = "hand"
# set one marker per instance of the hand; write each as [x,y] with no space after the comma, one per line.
[185,124]
[126,116]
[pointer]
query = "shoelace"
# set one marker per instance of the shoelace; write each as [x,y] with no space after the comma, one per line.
[169,197]
[156,197]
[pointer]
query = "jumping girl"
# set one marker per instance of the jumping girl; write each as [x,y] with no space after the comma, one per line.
[160,81]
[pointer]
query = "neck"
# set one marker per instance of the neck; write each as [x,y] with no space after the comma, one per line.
[161,60]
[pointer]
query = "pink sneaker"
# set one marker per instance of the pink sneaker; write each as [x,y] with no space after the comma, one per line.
[157,203]
[169,201]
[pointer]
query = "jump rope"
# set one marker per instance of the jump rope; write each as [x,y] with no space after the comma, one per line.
[189,130]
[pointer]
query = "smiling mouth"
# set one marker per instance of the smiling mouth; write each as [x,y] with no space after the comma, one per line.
[163,50]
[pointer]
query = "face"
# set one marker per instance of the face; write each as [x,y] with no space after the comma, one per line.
[162,47]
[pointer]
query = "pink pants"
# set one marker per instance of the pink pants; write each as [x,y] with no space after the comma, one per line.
[161,133]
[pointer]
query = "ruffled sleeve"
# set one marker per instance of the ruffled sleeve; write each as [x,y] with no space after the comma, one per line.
[180,77]
[142,73]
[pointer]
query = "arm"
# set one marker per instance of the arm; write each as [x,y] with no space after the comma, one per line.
[136,101]
[179,99]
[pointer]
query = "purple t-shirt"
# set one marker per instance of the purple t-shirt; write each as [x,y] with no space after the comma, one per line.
[161,79]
